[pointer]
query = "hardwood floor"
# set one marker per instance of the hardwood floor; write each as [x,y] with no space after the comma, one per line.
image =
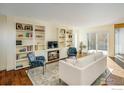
[19,77]
[117,75]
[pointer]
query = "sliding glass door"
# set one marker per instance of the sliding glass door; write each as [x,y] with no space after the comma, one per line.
[91,42]
[102,42]
[119,43]
[97,42]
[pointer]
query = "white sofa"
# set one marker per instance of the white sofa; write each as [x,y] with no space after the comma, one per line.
[85,71]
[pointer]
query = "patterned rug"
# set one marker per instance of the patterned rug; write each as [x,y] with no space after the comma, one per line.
[51,76]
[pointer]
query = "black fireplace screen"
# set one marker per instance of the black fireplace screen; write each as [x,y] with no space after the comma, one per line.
[53,55]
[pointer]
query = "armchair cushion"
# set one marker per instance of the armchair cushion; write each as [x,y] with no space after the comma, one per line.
[31,57]
[40,58]
[36,63]
[72,51]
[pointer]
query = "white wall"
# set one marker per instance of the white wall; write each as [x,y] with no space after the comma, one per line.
[100,29]
[8,37]
[76,38]
[3,42]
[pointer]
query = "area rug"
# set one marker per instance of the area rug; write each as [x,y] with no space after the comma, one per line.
[102,79]
[51,76]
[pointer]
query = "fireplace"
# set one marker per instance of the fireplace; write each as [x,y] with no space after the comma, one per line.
[53,55]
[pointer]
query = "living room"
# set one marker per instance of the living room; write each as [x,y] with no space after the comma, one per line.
[61,46]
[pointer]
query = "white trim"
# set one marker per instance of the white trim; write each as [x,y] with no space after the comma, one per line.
[2,68]
[10,68]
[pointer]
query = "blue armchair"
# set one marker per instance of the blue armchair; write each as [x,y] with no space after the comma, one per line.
[72,52]
[36,61]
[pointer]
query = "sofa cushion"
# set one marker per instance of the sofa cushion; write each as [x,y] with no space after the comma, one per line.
[88,59]
[85,60]
[98,55]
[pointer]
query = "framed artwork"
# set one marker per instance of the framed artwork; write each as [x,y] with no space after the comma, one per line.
[19,26]
[28,27]
[62,31]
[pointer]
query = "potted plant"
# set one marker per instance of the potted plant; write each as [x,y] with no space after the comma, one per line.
[81,47]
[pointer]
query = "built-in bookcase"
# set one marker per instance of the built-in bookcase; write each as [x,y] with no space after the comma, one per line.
[24,44]
[29,38]
[64,37]
[61,37]
[68,38]
[39,38]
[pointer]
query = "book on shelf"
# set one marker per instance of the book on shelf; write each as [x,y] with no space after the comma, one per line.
[21,56]
[19,65]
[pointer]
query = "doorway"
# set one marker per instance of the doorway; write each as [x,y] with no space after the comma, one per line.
[119,43]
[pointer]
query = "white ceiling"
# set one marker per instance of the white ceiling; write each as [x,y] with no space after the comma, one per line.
[76,14]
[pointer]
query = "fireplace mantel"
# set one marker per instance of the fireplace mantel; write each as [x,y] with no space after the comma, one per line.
[62,53]
[52,49]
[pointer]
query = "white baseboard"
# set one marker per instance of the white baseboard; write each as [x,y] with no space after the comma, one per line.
[10,68]
[2,68]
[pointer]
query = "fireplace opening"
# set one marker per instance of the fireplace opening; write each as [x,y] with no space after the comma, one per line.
[53,55]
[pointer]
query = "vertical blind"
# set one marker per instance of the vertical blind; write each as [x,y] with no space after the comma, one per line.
[97,41]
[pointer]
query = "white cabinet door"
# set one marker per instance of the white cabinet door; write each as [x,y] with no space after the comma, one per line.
[63,52]
[44,53]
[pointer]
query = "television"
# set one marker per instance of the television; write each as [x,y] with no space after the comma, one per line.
[52,44]
[18,42]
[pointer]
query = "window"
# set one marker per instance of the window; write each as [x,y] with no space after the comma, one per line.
[91,41]
[119,41]
[97,42]
[102,41]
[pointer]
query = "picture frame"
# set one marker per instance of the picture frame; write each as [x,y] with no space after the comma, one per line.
[19,26]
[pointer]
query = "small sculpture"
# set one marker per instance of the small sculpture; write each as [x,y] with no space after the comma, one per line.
[81,47]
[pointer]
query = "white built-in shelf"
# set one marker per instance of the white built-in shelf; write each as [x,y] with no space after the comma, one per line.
[24,66]
[23,52]
[24,59]
[23,45]
[51,49]
[28,35]
[39,50]
[23,31]
[24,38]
[40,45]
[68,41]
[61,42]
[24,34]
[39,30]
[64,37]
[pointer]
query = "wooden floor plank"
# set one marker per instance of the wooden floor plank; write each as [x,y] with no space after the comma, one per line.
[14,77]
